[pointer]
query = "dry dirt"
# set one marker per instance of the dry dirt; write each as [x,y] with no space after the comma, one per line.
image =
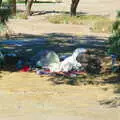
[27,96]
[37,24]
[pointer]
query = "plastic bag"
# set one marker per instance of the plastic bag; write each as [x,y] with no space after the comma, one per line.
[51,58]
[45,58]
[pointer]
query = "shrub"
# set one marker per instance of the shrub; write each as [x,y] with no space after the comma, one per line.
[5,12]
[114,40]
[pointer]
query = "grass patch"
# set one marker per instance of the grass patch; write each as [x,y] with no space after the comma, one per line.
[85,79]
[20,15]
[96,23]
[104,26]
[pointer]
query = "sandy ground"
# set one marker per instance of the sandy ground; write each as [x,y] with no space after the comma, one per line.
[99,7]
[37,24]
[27,96]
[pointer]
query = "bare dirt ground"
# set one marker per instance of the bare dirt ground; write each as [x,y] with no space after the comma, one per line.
[37,24]
[27,96]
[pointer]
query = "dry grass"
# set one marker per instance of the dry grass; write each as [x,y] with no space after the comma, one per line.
[104,26]
[20,15]
[97,23]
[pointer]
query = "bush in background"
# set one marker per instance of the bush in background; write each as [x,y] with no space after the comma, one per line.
[5,12]
[114,40]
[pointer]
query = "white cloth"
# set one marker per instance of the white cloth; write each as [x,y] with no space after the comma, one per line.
[68,64]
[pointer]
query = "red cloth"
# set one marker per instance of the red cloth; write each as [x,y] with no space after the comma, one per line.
[25,69]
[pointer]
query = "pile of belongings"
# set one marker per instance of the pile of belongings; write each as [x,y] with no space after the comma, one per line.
[48,62]
[80,61]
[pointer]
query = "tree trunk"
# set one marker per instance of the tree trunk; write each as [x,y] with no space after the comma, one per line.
[74,5]
[13,6]
[28,7]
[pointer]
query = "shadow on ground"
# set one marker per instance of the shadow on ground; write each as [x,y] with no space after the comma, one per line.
[113,80]
[27,44]
[55,12]
[43,12]
[44,2]
[111,103]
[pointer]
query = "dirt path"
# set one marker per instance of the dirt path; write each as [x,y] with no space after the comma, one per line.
[30,27]
[26,96]
[37,24]
[99,7]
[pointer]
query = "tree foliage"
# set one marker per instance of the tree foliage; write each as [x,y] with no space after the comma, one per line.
[5,12]
[11,4]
